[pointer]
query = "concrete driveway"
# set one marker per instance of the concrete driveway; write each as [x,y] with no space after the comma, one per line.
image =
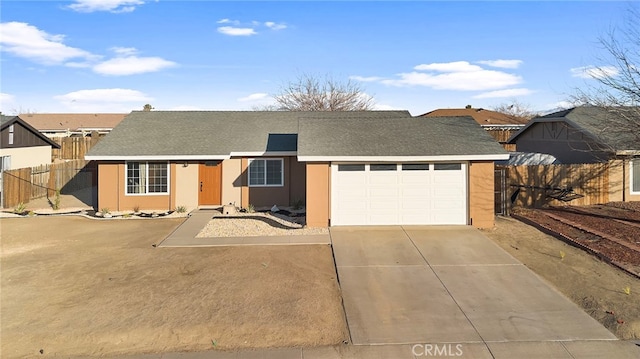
[449,284]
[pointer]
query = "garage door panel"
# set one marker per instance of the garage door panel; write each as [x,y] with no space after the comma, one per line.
[400,194]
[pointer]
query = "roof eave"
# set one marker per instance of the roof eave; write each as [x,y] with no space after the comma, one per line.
[442,158]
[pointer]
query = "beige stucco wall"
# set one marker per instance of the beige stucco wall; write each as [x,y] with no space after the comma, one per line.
[111,190]
[294,187]
[620,181]
[481,194]
[232,181]
[23,157]
[318,194]
[187,185]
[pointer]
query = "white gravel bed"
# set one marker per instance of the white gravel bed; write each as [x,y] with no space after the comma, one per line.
[256,224]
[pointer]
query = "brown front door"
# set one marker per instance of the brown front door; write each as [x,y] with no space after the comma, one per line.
[210,183]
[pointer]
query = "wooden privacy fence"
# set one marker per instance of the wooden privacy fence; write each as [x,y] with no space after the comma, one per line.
[72,148]
[537,185]
[24,184]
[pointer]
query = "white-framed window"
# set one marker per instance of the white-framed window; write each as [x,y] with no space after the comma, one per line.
[266,172]
[634,175]
[147,177]
[11,131]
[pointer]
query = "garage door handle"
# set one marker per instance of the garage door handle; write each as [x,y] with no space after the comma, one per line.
[200,186]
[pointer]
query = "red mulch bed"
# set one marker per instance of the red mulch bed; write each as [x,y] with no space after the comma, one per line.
[617,220]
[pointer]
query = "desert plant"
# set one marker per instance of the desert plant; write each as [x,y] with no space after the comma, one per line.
[251,208]
[181,209]
[19,208]
[105,211]
[32,213]
[56,200]
[136,208]
[627,290]
[297,204]
[126,215]
[562,255]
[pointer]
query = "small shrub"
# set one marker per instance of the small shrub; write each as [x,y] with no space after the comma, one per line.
[105,211]
[20,208]
[627,290]
[562,255]
[297,204]
[251,208]
[32,213]
[136,208]
[181,209]
[126,215]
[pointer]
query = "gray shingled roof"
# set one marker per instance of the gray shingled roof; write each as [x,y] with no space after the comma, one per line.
[414,137]
[608,126]
[211,133]
[5,120]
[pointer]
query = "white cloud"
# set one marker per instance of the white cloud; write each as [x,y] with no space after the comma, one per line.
[104,100]
[561,105]
[260,96]
[457,75]
[275,26]
[237,31]
[126,63]
[456,66]
[505,93]
[248,29]
[228,21]
[505,64]
[125,51]
[594,72]
[114,6]
[366,79]
[27,41]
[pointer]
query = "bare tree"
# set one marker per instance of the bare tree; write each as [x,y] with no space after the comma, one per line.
[617,79]
[517,110]
[311,93]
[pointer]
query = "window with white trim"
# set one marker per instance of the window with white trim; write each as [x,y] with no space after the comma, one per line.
[147,177]
[266,172]
[635,176]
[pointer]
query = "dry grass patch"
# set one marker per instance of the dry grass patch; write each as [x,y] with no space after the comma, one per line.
[76,287]
[596,286]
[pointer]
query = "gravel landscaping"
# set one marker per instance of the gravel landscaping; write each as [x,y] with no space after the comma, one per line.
[257,224]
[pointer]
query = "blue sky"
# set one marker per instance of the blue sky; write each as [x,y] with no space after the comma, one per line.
[117,55]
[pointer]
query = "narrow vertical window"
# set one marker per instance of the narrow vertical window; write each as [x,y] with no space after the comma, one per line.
[11,129]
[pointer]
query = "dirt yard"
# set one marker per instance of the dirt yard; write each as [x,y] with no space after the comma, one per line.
[599,288]
[72,286]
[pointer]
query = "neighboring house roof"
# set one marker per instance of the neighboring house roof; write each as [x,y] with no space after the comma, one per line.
[609,127]
[457,138]
[485,118]
[75,122]
[6,121]
[204,135]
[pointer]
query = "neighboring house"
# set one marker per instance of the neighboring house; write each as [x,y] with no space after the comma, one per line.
[22,145]
[73,124]
[589,135]
[501,126]
[349,168]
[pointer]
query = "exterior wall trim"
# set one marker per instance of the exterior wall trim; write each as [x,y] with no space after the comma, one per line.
[450,158]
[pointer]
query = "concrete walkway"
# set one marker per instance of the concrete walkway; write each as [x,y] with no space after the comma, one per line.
[185,235]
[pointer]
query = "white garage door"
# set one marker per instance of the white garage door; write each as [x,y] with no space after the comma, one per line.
[409,193]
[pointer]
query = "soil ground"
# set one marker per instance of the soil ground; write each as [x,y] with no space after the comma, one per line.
[72,286]
[596,286]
